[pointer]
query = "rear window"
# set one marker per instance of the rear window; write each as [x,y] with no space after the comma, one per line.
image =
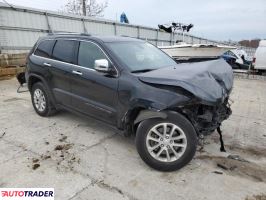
[64,50]
[45,48]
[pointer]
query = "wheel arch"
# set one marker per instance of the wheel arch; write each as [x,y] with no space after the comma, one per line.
[34,78]
[138,114]
[145,114]
[149,114]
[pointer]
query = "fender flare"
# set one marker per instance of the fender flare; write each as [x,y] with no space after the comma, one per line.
[149,114]
[36,76]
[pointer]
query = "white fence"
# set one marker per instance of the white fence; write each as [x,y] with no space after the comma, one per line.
[20,27]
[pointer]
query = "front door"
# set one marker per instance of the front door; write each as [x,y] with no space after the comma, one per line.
[94,93]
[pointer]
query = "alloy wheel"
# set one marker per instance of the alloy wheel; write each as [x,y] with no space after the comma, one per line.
[166,142]
[39,100]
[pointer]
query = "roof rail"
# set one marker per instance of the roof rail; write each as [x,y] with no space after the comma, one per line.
[69,33]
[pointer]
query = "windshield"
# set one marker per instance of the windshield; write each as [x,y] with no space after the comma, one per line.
[140,56]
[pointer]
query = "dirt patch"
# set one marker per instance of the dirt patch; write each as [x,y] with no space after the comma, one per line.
[35,163]
[237,157]
[61,147]
[3,134]
[45,157]
[218,172]
[63,139]
[238,168]
[36,166]
[260,152]
[256,197]
[60,154]
[65,159]
[14,99]
[35,160]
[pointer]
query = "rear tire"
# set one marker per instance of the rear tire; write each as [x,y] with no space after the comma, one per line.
[176,146]
[41,101]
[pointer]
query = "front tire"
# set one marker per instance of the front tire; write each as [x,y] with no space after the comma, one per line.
[40,100]
[166,144]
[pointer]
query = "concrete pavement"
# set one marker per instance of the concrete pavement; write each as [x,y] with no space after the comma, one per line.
[82,158]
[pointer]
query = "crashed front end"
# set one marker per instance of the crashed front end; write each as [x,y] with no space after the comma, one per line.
[206,118]
[206,85]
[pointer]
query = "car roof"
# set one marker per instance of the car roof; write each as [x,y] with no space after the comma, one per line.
[84,36]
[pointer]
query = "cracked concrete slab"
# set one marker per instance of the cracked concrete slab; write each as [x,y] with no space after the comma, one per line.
[8,152]
[95,192]
[19,173]
[85,159]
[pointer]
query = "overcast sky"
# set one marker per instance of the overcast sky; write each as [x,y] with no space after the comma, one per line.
[213,19]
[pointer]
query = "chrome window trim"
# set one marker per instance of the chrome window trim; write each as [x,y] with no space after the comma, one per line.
[65,63]
[90,69]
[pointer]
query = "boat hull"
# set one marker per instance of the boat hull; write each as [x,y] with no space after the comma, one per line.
[192,51]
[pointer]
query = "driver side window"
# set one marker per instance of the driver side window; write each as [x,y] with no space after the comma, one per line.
[88,53]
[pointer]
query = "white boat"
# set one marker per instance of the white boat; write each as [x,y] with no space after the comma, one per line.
[183,51]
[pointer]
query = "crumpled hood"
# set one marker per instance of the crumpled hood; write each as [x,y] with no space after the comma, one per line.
[210,81]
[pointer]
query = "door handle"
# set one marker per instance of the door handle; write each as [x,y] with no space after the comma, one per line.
[47,64]
[77,72]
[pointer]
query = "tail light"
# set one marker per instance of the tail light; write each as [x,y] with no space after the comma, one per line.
[254,60]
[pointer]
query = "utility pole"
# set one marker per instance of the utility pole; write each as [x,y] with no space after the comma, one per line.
[84,7]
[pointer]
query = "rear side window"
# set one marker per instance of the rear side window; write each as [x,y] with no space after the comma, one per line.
[45,48]
[64,50]
[88,53]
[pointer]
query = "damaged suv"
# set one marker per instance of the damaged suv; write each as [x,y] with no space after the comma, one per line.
[135,87]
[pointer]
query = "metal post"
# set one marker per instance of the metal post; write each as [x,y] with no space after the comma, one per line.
[157,37]
[48,23]
[115,28]
[84,26]
[138,32]
[174,38]
[84,7]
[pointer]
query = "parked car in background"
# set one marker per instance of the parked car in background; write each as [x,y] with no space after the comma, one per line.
[241,59]
[259,60]
[231,60]
[135,87]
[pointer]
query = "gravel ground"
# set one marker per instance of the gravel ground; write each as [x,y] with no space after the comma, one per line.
[84,159]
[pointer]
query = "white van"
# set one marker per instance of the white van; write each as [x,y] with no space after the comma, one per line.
[259,60]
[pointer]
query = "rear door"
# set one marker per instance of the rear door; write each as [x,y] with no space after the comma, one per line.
[94,93]
[61,65]
[37,62]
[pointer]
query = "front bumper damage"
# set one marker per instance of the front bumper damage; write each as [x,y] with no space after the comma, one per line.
[205,118]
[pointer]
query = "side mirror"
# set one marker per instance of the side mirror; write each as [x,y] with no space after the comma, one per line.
[101,65]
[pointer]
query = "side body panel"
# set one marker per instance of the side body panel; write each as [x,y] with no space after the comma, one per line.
[95,94]
[134,94]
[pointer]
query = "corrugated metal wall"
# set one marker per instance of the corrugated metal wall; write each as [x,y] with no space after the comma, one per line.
[20,27]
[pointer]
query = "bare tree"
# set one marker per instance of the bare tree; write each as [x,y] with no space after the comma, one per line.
[86,7]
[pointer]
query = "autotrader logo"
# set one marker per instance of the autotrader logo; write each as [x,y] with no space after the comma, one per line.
[27,193]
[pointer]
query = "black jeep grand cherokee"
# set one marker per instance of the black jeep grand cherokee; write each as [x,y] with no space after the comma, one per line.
[135,87]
